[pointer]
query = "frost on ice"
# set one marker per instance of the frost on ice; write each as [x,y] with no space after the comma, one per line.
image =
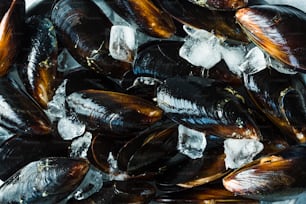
[191,142]
[240,151]
[80,146]
[122,43]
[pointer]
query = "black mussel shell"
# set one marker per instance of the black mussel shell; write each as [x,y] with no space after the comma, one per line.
[274,177]
[39,59]
[146,15]
[18,151]
[113,112]
[12,24]
[281,98]
[277,29]
[84,30]
[19,113]
[48,180]
[221,4]
[206,105]
[222,23]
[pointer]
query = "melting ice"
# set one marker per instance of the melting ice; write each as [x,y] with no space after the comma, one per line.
[80,145]
[191,142]
[240,151]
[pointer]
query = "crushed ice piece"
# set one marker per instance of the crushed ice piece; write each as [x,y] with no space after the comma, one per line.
[114,173]
[202,48]
[122,43]
[70,127]
[255,61]
[233,57]
[240,151]
[80,146]
[1,182]
[56,107]
[191,142]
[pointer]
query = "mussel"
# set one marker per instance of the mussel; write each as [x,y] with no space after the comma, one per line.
[11,31]
[48,180]
[84,30]
[277,29]
[114,112]
[38,66]
[211,106]
[221,4]
[146,15]
[274,177]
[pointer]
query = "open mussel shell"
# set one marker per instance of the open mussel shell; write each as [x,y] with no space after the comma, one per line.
[221,4]
[114,112]
[277,29]
[211,106]
[18,151]
[274,177]
[146,15]
[19,113]
[48,180]
[11,24]
[189,173]
[222,23]
[281,98]
[39,59]
[211,193]
[84,30]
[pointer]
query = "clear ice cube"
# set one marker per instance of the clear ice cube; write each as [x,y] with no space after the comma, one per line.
[70,127]
[122,43]
[240,151]
[191,142]
[80,146]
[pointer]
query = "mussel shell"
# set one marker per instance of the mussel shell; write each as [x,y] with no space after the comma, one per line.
[146,15]
[12,24]
[211,106]
[48,180]
[277,29]
[222,23]
[281,98]
[39,62]
[114,112]
[19,113]
[273,177]
[84,30]
[213,193]
[161,60]
[18,151]
[195,172]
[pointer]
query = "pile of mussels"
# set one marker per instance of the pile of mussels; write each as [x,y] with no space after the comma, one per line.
[152,126]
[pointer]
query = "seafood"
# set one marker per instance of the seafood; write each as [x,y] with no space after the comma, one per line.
[19,113]
[273,177]
[113,112]
[277,29]
[11,31]
[211,106]
[145,15]
[221,23]
[39,63]
[48,180]
[84,30]
[221,4]
[281,98]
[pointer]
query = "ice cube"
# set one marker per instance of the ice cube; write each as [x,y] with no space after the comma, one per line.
[70,127]
[80,146]
[240,151]
[56,107]
[122,43]
[201,49]
[254,62]
[191,142]
[233,57]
